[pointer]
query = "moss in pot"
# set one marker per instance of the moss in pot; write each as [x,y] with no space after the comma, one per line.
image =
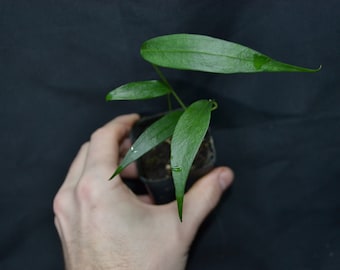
[186,128]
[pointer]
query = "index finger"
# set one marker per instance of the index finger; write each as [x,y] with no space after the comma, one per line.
[103,151]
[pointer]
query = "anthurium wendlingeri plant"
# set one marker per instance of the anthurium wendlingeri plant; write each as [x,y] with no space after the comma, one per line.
[187,127]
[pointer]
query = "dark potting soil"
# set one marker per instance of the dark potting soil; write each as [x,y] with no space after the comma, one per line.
[156,163]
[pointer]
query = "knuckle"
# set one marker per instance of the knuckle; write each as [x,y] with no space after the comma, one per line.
[84,146]
[62,202]
[86,191]
[99,133]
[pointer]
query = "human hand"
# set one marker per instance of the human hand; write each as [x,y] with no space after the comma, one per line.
[104,225]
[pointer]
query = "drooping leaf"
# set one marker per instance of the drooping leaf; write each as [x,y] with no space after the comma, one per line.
[138,91]
[204,53]
[186,140]
[156,133]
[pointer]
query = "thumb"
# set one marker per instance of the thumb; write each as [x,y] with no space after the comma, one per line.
[204,196]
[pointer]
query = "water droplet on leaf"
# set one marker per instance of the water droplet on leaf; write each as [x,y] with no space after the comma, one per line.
[133,150]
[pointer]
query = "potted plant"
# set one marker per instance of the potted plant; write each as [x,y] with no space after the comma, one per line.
[154,167]
[185,129]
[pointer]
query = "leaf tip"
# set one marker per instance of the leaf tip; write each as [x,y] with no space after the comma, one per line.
[117,171]
[108,97]
[180,208]
[318,69]
[313,70]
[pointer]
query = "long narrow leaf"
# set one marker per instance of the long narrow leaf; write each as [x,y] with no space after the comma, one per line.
[138,91]
[187,138]
[204,53]
[158,132]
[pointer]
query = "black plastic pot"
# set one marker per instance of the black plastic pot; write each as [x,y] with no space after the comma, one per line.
[158,181]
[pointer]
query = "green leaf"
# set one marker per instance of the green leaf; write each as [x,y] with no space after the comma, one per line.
[156,133]
[204,53]
[186,140]
[138,91]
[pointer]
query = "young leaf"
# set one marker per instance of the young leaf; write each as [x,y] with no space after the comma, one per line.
[204,53]
[186,140]
[138,90]
[158,132]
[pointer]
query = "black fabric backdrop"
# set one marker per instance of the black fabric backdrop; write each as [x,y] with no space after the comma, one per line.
[279,132]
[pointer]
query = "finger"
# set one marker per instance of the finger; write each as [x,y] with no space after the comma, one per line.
[146,199]
[203,197]
[130,171]
[103,152]
[76,167]
[124,147]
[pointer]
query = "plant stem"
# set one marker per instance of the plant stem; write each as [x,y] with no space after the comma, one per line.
[168,97]
[160,74]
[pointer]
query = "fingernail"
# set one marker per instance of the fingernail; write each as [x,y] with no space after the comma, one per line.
[225,179]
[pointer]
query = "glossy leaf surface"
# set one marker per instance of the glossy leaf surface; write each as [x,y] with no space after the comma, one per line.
[138,91]
[208,54]
[187,138]
[158,132]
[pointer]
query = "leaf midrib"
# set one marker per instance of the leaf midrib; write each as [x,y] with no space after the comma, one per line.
[198,52]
